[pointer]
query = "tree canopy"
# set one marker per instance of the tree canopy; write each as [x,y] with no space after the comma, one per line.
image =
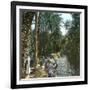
[45,38]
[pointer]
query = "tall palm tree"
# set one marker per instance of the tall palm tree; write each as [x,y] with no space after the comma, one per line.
[25,28]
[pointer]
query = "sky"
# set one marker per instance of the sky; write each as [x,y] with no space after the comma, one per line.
[65,16]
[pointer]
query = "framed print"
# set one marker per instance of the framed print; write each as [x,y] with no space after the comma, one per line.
[48,44]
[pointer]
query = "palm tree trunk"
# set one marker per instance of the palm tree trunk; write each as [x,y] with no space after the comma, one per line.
[37,41]
[25,44]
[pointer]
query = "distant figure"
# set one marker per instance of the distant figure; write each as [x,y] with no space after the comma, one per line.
[42,61]
[51,66]
[27,66]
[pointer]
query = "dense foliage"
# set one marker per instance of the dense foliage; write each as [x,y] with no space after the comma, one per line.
[72,42]
[41,36]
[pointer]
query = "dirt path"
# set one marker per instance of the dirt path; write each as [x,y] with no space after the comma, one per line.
[64,68]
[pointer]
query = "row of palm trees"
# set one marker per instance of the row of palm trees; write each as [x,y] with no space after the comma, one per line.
[46,37]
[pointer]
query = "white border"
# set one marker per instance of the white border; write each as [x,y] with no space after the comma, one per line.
[56,79]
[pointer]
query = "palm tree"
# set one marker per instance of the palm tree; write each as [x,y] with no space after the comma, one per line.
[72,48]
[50,24]
[25,28]
[37,41]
